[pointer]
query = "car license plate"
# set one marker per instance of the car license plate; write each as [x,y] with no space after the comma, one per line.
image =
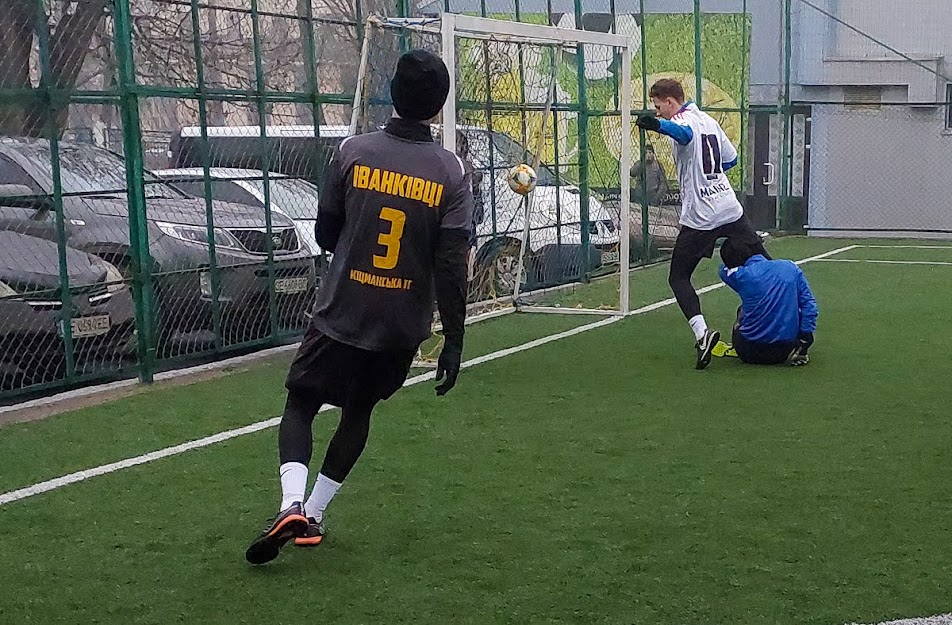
[610,256]
[290,285]
[85,327]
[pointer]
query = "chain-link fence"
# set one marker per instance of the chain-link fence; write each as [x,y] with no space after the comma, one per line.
[160,160]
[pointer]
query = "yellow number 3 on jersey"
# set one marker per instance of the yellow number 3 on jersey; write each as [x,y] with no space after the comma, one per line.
[390,240]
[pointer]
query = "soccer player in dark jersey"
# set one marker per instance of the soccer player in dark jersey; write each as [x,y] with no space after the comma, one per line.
[396,212]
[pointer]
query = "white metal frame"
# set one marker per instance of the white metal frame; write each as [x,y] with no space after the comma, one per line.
[453,25]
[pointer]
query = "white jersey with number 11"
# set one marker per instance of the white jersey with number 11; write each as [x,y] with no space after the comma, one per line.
[708,199]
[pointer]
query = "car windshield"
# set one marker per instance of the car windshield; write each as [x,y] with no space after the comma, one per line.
[296,198]
[89,170]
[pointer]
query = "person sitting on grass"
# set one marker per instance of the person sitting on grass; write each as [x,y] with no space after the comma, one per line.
[777,316]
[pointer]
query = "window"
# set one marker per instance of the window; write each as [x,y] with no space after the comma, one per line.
[11,173]
[222,191]
[860,98]
[948,106]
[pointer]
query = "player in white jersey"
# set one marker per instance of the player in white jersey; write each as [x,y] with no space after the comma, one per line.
[709,208]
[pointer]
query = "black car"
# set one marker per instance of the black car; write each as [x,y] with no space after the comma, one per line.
[33,348]
[96,216]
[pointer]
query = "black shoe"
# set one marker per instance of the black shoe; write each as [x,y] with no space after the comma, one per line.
[313,536]
[705,348]
[798,357]
[289,523]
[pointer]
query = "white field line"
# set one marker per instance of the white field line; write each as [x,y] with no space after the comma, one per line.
[79,476]
[883,262]
[942,619]
[908,247]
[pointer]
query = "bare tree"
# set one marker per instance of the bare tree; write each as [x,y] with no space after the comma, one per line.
[71,25]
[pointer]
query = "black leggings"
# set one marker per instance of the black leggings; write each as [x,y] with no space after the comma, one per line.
[295,441]
[693,245]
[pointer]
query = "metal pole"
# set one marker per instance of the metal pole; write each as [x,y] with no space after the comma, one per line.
[624,242]
[583,152]
[265,165]
[206,173]
[448,33]
[52,109]
[643,182]
[138,233]
[783,192]
[698,81]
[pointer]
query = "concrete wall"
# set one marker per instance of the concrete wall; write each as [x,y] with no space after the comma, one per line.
[887,169]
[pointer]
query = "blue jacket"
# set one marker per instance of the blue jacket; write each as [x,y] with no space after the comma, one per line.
[777,305]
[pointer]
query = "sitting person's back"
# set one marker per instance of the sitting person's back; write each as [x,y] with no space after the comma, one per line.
[778,312]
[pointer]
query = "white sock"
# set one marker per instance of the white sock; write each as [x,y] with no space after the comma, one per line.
[698,325]
[324,490]
[293,483]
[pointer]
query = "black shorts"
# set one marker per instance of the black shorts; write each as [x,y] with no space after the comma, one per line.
[697,244]
[761,353]
[334,371]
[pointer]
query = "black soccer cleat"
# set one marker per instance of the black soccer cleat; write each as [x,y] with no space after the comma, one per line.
[705,348]
[289,524]
[313,536]
[798,357]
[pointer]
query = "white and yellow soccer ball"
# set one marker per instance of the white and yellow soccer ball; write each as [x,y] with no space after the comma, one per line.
[522,179]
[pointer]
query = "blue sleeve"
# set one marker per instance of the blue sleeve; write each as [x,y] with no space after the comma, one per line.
[808,309]
[728,278]
[730,164]
[682,134]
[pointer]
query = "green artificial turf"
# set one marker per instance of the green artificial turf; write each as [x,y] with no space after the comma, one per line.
[597,479]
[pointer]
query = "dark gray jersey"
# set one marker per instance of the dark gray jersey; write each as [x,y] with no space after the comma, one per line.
[391,200]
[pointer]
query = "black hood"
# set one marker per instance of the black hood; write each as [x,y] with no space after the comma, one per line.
[191,211]
[26,261]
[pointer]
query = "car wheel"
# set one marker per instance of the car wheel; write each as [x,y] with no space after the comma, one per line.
[497,266]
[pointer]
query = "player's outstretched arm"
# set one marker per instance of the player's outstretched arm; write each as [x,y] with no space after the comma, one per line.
[682,134]
[330,207]
[450,281]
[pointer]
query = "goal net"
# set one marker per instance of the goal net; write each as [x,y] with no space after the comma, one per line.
[519,94]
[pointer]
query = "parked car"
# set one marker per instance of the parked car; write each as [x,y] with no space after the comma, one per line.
[32,330]
[292,197]
[555,250]
[555,237]
[96,212]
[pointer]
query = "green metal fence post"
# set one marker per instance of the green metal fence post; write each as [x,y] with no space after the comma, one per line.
[744,112]
[314,91]
[698,69]
[52,106]
[583,152]
[206,173]
[260,89]
[645,232]
[138,235]
[783,192]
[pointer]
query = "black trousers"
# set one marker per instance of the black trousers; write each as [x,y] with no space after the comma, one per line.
[326,371]
[693,245]
[761,353]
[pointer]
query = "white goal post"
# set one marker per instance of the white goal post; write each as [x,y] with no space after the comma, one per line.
[446,35]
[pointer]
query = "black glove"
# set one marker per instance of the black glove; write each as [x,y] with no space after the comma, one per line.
[649,122]
[804,341]
[448,366]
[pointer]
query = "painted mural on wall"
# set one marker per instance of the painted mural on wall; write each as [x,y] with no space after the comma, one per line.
[669,41]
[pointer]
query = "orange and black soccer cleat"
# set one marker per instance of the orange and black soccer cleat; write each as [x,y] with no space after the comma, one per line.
[314,535]
[289,523]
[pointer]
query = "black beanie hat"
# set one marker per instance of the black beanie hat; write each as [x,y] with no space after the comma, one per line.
[419,86]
